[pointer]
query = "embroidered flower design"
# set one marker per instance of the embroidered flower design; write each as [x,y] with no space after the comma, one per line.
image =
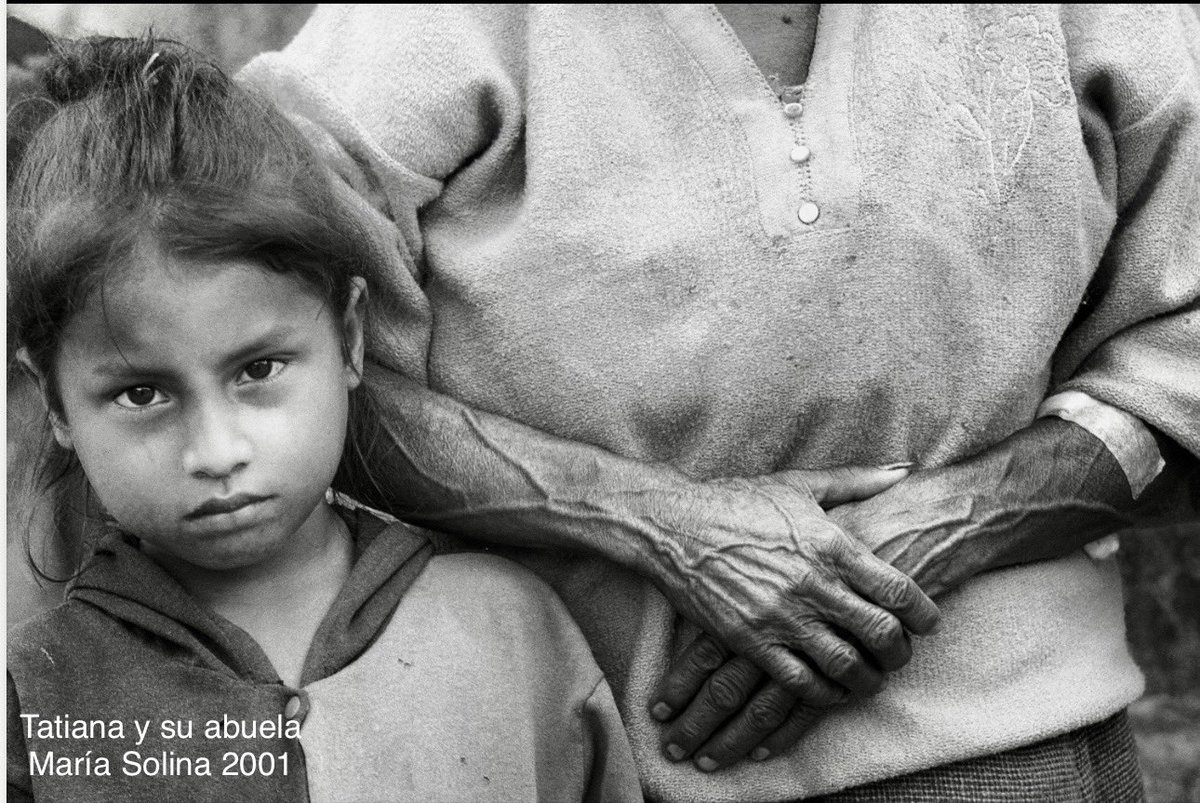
[1014,68]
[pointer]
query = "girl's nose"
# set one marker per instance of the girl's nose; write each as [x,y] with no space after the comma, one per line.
[216,443]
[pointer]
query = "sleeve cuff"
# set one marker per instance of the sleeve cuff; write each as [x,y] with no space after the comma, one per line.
[1127,438]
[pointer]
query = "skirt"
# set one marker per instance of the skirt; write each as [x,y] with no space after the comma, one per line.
[1095,764]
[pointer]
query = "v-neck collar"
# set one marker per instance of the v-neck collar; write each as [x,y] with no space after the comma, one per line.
[775,36]
[738,87]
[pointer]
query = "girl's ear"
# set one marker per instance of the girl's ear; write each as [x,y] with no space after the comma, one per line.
[62,433]
[352,330]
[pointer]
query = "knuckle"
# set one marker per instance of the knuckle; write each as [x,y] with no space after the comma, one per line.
[895,591]
[772,615]
[802,580]
[841,661]
[706,655]
[725,693]
[796,679]
[801,682]
[885,630]
[837,545]
[687,733]
[760,619]
[767,712]
[684,733]
[812,691]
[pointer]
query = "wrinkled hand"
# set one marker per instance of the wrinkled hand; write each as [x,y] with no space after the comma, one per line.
[1039,494]
[772,578]
[820,615]
[728,710]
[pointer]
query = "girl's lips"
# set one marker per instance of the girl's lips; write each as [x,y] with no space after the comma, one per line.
[225,504]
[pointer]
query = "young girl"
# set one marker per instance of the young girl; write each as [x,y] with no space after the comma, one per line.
[193,313]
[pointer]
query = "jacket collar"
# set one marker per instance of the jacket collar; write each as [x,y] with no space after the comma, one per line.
[123,582]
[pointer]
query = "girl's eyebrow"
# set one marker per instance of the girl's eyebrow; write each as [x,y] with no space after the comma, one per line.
[277,337]
[274,338]
[121,370]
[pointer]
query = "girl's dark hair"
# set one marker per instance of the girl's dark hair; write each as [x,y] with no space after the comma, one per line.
[149,146]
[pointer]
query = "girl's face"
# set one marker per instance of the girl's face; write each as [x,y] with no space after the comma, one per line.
[207,403]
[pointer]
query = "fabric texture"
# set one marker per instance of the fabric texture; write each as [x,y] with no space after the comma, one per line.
[413,654]
[490,695]
[1127,438]
[1094,764]
[588,219]
[1124,435]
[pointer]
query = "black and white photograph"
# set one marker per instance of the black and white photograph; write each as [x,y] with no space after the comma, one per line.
[647,402]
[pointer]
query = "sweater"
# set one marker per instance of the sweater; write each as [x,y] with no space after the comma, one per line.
[457,676]
[601,221]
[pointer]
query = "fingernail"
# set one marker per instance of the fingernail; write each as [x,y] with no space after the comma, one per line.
[675,752]
[896,466]
[661,711]
[706,764]
[760,753]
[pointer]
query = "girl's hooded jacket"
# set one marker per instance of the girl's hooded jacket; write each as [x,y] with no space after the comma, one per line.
[455,676]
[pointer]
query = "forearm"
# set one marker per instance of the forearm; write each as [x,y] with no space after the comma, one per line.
[439,463]
[448,466]
[755,562]
[1040,494]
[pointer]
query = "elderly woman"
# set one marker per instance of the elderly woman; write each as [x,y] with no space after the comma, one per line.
[651,274]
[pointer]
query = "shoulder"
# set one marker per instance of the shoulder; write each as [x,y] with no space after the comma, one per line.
[478,579]
[57,661]
[71,652]
[393,21]
[484,603]
[63,631]
[398,40]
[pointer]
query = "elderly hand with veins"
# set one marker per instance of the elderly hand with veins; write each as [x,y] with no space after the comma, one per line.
[1041,493]
[795,597]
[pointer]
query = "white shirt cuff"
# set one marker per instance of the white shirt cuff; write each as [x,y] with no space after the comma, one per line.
[1127,438]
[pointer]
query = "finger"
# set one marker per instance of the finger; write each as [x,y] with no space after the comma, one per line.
[887,642]
[892,589]
[875,632]
[723,695]
[799,679]
[766,711]
[841,661]
[799,721]
[836,486]
[687,676]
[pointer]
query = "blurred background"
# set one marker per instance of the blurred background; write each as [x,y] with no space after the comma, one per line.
[1161,567]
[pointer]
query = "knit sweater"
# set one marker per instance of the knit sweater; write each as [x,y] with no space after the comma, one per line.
[596,221]
[452,677]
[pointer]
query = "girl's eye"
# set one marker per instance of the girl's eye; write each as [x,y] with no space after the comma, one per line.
[259,370]
[140,396]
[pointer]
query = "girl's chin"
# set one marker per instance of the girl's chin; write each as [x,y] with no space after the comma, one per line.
[240,550]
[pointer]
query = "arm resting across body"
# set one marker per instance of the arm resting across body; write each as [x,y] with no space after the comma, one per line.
[756,562]
[1044,492]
